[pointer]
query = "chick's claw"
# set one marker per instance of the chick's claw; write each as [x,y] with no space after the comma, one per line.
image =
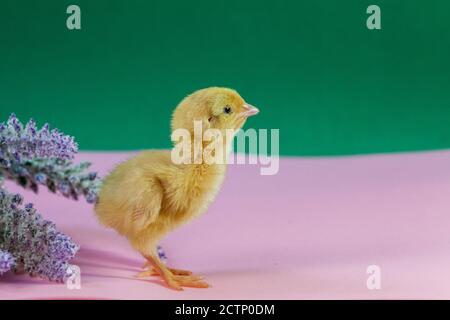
[147,273]
[191,277]
[155,273]
[191,281]
[171,283]
[177,279]
[180,272]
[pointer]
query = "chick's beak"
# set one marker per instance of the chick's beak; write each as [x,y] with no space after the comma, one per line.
[249,110]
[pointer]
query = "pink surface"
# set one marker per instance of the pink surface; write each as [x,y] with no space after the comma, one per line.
[308,232]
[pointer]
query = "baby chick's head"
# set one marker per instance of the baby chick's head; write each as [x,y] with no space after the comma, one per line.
[216,108]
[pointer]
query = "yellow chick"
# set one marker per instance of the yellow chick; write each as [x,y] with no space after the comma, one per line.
[147,196]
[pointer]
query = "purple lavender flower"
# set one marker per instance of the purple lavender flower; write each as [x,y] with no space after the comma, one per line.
[59,176]
[39,157]
[161,254]
[40,178]
[33,241]
[7,262]
[35,157]
[21,143]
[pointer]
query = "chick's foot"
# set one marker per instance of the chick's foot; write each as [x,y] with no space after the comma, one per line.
[176,278]
[152,271]
[191,281]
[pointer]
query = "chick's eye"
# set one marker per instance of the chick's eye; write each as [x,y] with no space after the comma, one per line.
[227,110]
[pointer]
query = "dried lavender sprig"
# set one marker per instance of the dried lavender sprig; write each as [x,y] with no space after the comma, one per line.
[7,262]
[19,142]
[58,175]
[33,241]
[162,254]
[35,157]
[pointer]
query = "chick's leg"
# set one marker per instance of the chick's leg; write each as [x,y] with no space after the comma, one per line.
[153,272]
[170,276]
[163,272]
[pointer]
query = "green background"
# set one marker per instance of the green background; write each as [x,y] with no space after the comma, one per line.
[313,68]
